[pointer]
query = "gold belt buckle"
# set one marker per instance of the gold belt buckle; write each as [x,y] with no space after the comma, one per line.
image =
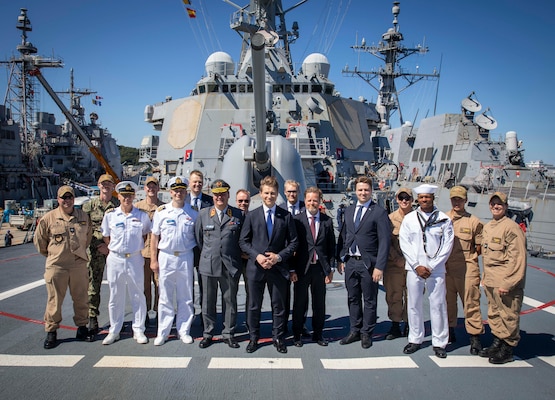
[176,253]
[127,255]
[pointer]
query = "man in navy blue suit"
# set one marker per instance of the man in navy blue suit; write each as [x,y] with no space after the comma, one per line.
[269,238]
[313,265]
[363,248]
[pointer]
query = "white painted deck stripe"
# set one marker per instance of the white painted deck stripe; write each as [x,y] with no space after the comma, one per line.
[548,359]
[142,362]
[254,363]
[369,363]
[534,303]
[474,361]
[21,289]
[14,360]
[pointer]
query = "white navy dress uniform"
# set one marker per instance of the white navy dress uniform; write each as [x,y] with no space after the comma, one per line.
[125,264]
[175,226]
[426,239]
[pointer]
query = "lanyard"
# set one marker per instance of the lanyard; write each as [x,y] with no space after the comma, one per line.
[425,223]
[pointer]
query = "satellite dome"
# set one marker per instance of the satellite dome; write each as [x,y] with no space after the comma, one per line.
[219,63]
[316,64]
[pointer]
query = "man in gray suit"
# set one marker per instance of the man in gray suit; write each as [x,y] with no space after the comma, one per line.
[217,231]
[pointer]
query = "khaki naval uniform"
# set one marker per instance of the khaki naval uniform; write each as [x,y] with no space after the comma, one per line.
[395,275]
[96,209]
[504,257]
[63,240]
[151,277]
[463,272]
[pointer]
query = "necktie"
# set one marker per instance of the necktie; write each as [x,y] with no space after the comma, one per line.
[196,204]
[292,209]
[358,216]
[313,231]
[269,224]
[220,214]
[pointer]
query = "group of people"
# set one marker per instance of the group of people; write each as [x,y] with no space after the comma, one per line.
[147,244]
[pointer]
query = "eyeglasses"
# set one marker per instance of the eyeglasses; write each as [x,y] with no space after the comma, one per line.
[291,191]
[68,197]
[243,201]
[404,198]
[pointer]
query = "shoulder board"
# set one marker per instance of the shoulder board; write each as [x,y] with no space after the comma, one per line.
[109,210]
[162,207]
[229,212]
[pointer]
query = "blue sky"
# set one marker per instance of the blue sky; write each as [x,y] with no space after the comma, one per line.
[137,53]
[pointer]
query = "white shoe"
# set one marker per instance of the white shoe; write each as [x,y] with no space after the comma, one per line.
[111,338]
[159,341]
[187,339]
[140,338]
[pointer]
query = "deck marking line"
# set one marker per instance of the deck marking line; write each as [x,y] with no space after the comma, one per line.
[548,359]
[369,363]
[475,362]
[16,360]
[537,306]
[142,362]
[254,363]
[542,270]
[21,289]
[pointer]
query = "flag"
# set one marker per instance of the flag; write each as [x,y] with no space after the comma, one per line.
[96,102]
[192,13]
[186,2]
[188,155]
[99,97]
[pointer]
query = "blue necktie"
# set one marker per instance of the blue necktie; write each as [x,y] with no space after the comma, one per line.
[269,224]
[358,216]
[196,207]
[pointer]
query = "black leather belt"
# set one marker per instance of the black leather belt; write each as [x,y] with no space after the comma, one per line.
[358,258]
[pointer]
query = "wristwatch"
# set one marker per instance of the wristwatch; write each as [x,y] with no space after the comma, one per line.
[278,258]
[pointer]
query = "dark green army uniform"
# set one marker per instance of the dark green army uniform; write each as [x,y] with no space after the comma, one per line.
[97,261]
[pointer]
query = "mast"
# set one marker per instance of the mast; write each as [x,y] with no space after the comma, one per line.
[391,51]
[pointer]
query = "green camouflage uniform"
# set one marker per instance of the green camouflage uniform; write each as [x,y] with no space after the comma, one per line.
[96,209]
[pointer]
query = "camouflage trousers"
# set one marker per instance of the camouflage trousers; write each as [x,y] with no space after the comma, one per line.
[96,272]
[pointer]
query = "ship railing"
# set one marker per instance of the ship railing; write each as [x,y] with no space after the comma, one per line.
[311,148]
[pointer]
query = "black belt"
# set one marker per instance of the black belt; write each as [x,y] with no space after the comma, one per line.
[358,258]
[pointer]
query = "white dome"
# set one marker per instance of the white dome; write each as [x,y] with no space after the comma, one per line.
[219,63]
[316,64]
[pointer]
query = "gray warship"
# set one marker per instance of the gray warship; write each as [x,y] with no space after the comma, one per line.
[36,153]
[259,117]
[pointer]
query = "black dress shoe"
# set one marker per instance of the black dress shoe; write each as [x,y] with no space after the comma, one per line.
[297,341]
[366,341]
[51,340]
[252,346]
[82,333]
[320,340]
[411,348]
[305,333]
[231,342]
[205,342]
[440,352]
[279,344]
[350,338]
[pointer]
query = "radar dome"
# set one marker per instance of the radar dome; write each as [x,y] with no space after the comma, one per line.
[316,64]
[219,63]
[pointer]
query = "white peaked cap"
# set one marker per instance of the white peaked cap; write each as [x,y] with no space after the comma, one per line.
[425,189]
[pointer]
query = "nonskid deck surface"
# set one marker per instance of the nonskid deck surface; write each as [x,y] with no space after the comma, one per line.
[176,370]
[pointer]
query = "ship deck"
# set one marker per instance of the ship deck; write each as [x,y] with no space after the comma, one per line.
[175,370]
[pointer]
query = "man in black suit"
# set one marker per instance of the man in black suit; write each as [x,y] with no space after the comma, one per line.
[363,248]
[313,266]
[198,200]
[269,238]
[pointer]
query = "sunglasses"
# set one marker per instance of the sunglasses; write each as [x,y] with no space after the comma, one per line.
[66,197]
[404,198]
[243,201]
[291,191]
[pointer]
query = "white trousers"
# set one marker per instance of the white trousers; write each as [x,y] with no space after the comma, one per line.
[175,276]
[435,286]
[125,273]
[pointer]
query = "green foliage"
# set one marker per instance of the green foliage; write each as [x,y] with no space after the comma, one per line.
[129,155]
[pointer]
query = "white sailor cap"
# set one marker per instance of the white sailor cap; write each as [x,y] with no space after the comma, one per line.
[425,189]
[126,187]
[178,182]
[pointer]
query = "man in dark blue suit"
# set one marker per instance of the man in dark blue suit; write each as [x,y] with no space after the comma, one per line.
[313,265]
[363,248]
[269,238]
